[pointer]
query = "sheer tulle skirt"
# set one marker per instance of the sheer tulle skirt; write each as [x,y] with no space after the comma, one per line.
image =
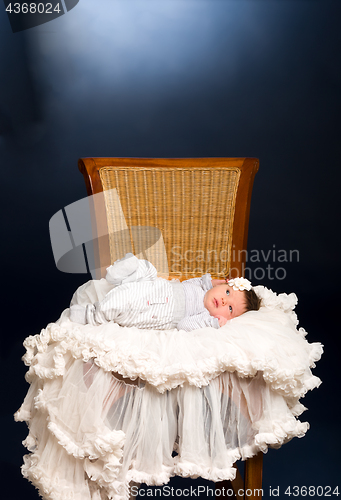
[190,403]
[92,433]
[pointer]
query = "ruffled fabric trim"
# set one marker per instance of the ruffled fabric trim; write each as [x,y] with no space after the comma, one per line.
[54,487]
[50,487]
[104,474]
[214,474]
[265,345]
[262,341]
[111,443]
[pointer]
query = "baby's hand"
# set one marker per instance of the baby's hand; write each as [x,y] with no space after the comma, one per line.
[222,320]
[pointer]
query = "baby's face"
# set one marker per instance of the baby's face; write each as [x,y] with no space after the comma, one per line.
[222,300]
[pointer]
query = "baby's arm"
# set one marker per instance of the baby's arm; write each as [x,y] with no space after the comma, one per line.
[189,323]
[205,281]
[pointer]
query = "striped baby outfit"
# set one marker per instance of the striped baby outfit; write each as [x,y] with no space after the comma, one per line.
[140,299]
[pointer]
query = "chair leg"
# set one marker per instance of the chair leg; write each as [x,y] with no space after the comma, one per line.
[253,477]
[237,485]
[224,486]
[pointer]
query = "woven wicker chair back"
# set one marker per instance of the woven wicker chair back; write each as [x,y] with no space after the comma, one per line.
[186,216]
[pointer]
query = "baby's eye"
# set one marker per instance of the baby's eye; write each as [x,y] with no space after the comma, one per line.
[227,292]
[230,307]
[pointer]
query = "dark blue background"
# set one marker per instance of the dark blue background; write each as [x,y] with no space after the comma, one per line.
[177,78]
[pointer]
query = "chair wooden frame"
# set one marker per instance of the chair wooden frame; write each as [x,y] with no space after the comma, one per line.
[250,487]
[91,167]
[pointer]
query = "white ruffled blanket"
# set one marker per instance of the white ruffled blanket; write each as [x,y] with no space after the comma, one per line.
[212,395]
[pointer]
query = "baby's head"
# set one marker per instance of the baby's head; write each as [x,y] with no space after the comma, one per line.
[231,299]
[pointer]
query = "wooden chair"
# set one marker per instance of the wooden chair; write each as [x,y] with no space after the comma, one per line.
[187,216]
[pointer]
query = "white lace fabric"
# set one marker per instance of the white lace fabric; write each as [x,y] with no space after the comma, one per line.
[212,396]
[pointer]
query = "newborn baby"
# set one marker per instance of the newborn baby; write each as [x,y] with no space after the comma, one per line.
[139,298]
